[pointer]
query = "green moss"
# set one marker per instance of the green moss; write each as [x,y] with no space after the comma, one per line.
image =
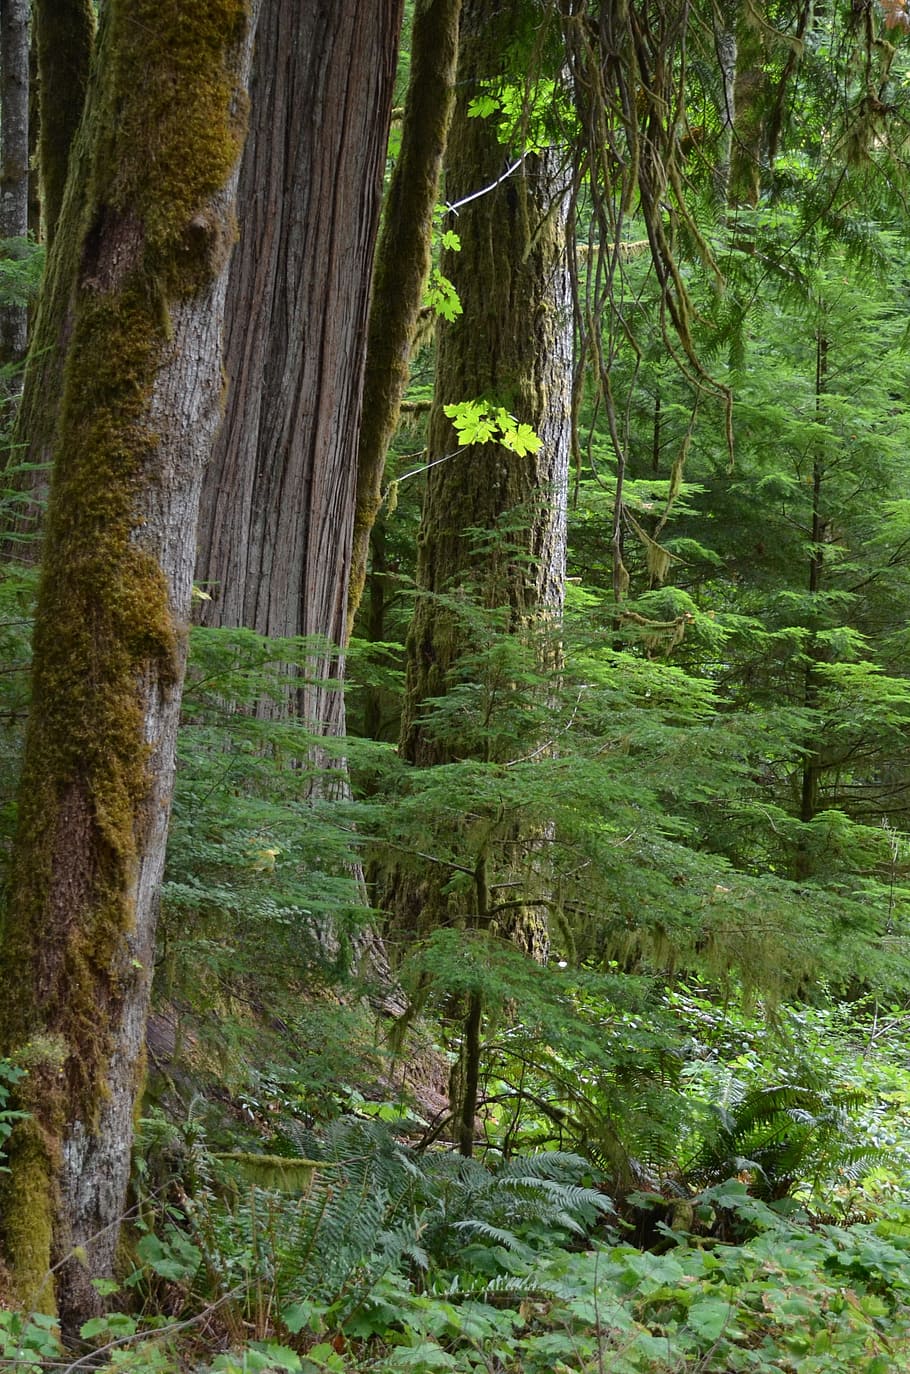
[27,1193]
[28,1213]
[163,138]
[64,34]
[104,625]
[181,106]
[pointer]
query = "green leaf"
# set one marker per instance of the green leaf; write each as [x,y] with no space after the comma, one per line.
[521,440]
[175,1258]
[105,1287]
[709,1317]
[298,1316]
[482,106]
[114,1324]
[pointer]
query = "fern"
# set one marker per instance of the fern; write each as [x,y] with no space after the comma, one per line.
[787,1135]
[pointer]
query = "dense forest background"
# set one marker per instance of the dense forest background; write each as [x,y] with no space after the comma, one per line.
[454,700]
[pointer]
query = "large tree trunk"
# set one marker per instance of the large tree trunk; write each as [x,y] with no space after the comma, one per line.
[277,511]
[14,44]
[149,242]
[403,261]
[511,346]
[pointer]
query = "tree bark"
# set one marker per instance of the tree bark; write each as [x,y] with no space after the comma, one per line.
[65,33]
[403,261]
[512,345]
[14,87]
[149,241]
[65,37]
[277,511]
[726,49]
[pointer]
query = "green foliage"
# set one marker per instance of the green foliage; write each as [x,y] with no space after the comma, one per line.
[479,422]
[10,1075]
[785,1135]
[28,1342]
[260,860]
[21,270]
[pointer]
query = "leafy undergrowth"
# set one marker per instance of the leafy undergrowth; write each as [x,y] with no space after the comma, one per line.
[371,1258]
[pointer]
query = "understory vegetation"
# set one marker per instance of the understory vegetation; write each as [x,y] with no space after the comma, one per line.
[692,1136]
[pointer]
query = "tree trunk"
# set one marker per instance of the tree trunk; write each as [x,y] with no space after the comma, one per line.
[812,765]
[511,346]
[14,86]
[64,35]
[403,261]
[277,511]
[65,32]
[150,240]
[725,48]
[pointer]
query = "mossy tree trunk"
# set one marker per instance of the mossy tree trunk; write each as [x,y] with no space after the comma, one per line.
[512,346]
[148,239]
[64,39]
[14,86]
[277,511]
[403,261]
[64,34]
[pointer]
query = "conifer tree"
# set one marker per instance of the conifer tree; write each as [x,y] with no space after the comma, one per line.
[278,506]
[509,348]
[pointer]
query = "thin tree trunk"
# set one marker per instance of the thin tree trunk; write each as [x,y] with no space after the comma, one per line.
[813,758]
[725,47]
[65,34]
[14,87]
[64,31]
[142,395]
[403,261]
[277,513]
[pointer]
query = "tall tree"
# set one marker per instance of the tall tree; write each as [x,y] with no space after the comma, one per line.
[403,260]
[511,348]
[14,84]
[277,511]
[148,242]
[64,39]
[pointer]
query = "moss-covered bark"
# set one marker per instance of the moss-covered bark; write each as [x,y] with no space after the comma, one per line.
[511,345]
[146,240]
[64,35]
[403,261]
